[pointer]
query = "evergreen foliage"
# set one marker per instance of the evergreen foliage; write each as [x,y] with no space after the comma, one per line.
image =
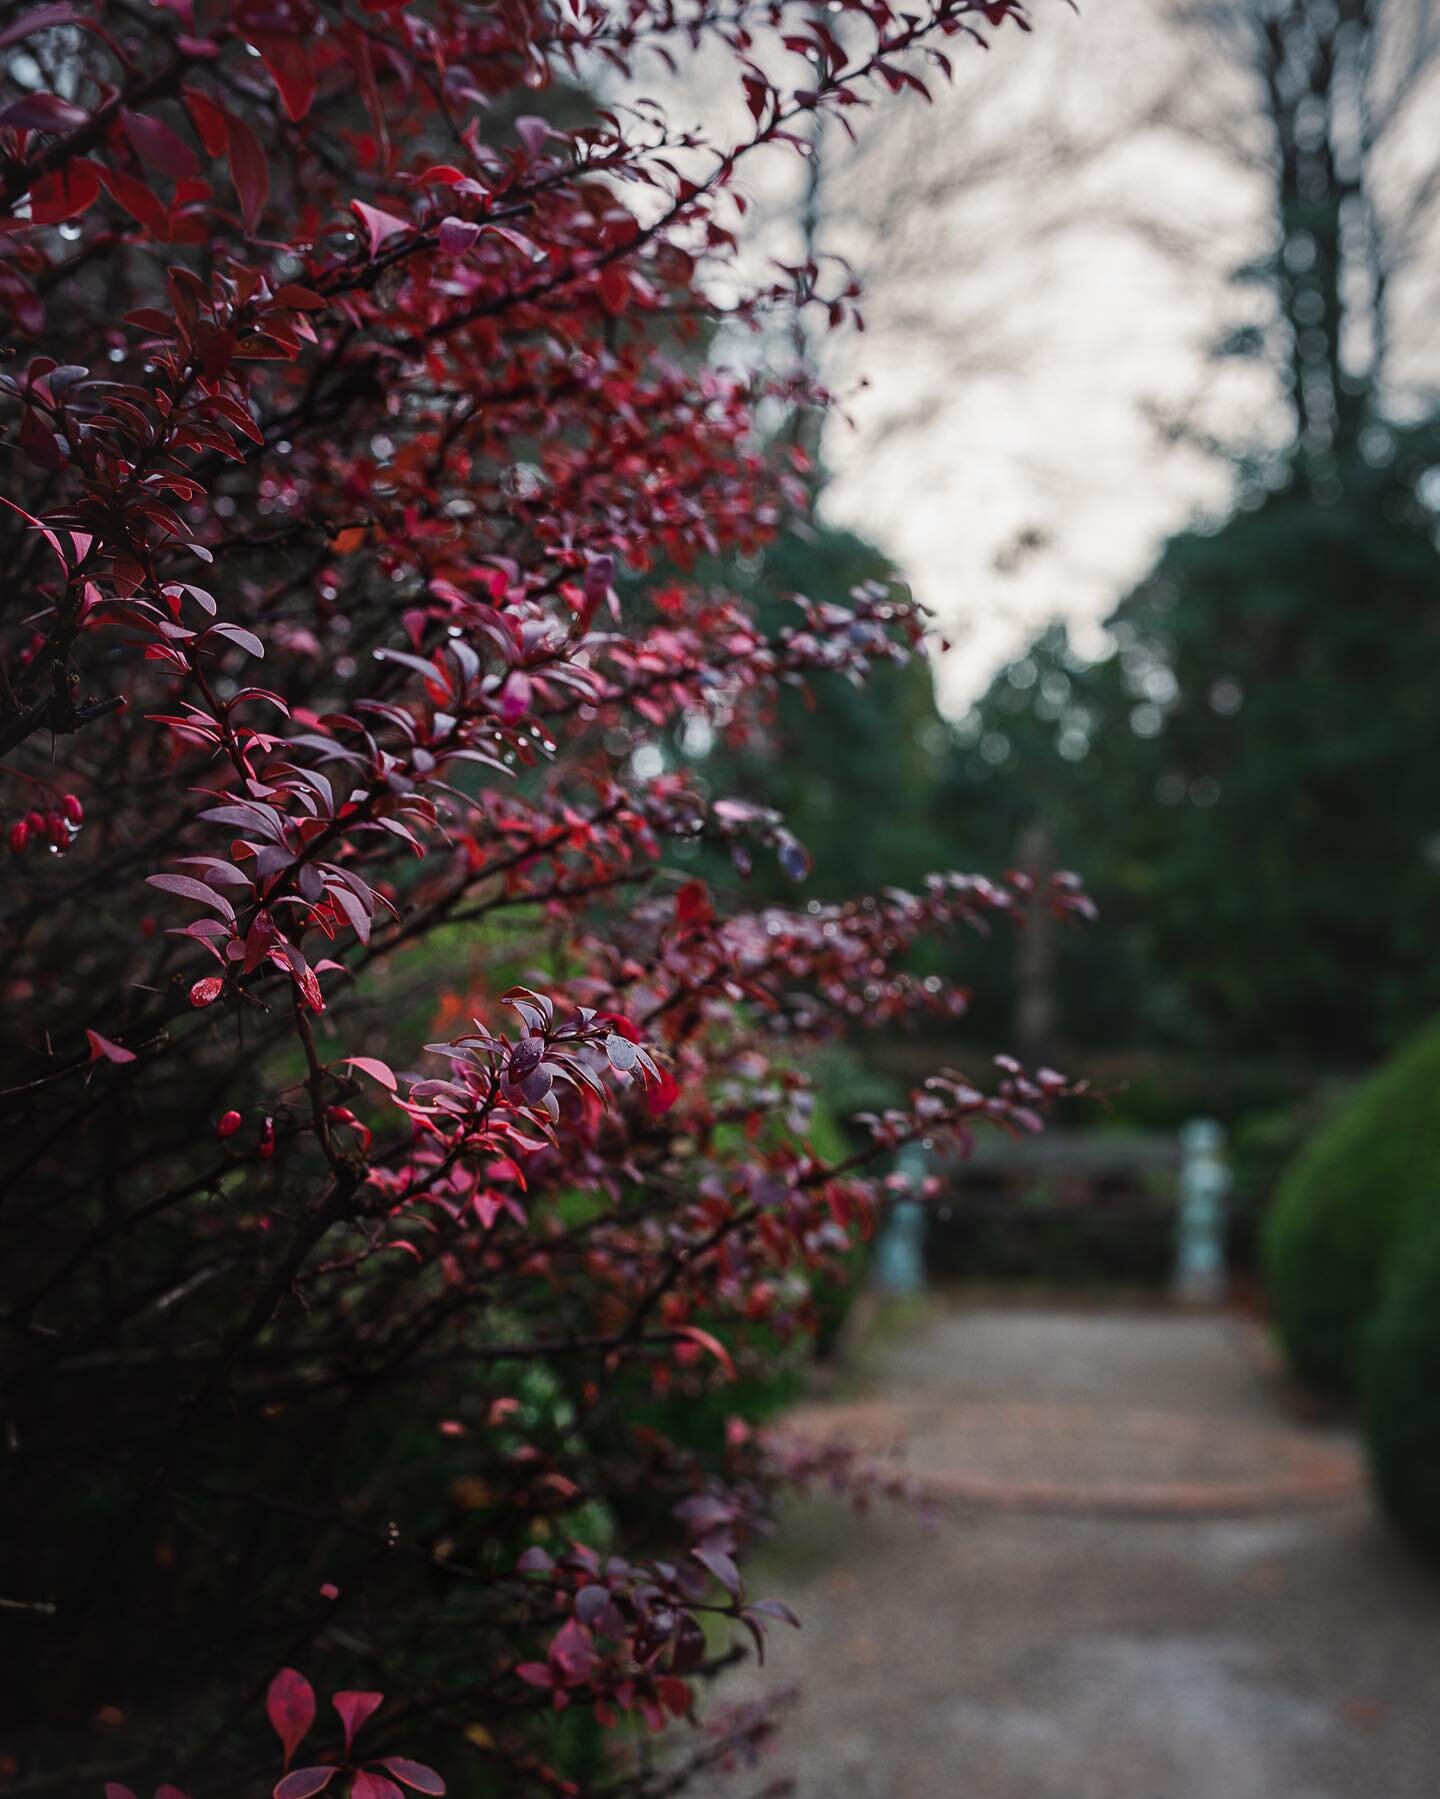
[1343,1205]
[1400,1386]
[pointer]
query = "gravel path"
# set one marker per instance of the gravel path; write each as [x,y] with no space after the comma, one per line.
[1050,1640]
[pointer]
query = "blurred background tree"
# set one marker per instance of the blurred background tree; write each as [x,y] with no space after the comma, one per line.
[1267,852]
[1238,765]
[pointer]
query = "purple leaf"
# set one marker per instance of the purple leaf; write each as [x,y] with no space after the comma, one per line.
[457,236]
[773,1608]
[189,888]
[44,112]
[354,909]
[414,1774]
[238,634]
[532,132]
[720,1565]
[305,1781]
[38,19]
[526,1057]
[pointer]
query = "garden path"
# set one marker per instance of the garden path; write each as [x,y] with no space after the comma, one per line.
[1144,1577]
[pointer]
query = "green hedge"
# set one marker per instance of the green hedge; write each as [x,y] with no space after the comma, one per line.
[1400,1384]
[1342,1204]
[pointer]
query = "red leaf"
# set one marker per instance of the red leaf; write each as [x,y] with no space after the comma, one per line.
[674,1695]
[376,1069]
[65,194]
[211,121]
[378,225]
[526,246]
[374,1786]
[206,991]
[288,954]
[147,318]
[238,416]
[303,299]
[614,288]
[661,1095]
[138,200]
[155,143]
[713,1344]
[43,529]
[216,350]
[353,907]
[354,1709]
[289,62]
[414,1774]
[692,904]
[112,1052]
[573,1651]
[290,1707]
[248,170]
[37,439]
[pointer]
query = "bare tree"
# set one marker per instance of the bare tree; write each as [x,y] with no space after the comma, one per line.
[1330,116]
[1314,111]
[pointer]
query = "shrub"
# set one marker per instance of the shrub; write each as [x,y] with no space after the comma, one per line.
[342,386]
[1400,1383]
[1342,1205]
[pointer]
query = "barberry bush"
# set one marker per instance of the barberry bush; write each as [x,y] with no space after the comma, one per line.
[400,1143]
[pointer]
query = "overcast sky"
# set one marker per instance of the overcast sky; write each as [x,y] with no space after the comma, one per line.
[1047,253]
[1005,452]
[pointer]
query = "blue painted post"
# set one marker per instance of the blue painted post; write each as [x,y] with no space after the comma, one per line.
[899,1259]
[1200,1233]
